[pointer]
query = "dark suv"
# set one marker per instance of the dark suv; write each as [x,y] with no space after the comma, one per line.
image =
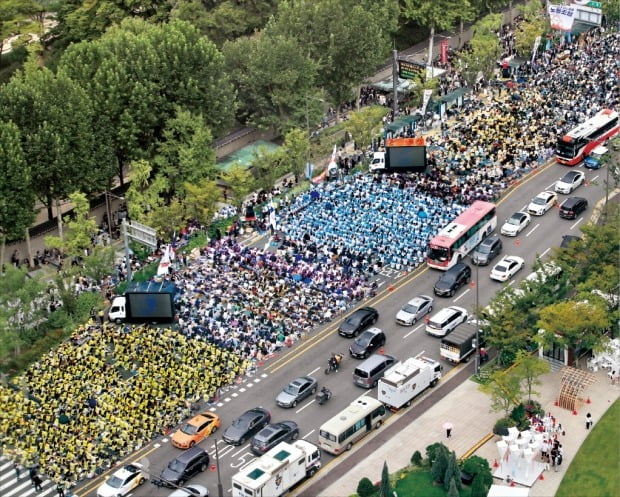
[453,279]
[572,207]
[487,250]
[184,467]
[271,435]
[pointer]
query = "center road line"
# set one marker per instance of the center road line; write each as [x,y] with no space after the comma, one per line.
[413,330]
[532,230]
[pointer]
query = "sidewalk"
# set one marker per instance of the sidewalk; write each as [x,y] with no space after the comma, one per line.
[469,411]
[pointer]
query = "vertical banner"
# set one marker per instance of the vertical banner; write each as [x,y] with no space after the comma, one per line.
[425,100]
[444,51]
[535,49]
[561,17]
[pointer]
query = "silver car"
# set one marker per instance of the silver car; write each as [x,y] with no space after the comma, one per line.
[296,391]
[414,309]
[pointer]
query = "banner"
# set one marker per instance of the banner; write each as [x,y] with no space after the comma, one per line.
[425,100]
[561,17]
[164,263]
[444,51]
[535,49]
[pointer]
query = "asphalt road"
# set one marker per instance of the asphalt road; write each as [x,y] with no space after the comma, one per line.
[309,356]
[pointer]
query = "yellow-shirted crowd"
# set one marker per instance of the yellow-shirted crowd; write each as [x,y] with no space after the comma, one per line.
[89,402]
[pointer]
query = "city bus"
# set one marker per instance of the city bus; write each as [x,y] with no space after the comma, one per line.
[574,146]
[462,235]
[354,422]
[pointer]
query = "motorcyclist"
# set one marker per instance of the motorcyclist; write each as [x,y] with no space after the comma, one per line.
[334,362]
[326,392]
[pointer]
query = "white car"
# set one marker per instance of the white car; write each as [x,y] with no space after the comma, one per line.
[542,202]
[191,491]
[122,481]
[570,181]
[515,224]
[507,268]
[414,310]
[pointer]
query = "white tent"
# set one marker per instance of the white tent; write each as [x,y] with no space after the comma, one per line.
[506,491]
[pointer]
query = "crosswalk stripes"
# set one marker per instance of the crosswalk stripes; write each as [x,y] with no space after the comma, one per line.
[10,486]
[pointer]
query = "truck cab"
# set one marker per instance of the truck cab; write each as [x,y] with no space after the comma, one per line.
[377,163]
[117,312]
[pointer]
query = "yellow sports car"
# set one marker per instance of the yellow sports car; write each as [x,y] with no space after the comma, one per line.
[195,430]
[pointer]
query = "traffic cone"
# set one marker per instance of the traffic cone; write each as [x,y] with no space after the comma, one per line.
[541,477]
[574,412]
[556,403]
[495,464]
[512,483]
[517,242]
[391,288]
[213,468]
[381,351]
[588,401]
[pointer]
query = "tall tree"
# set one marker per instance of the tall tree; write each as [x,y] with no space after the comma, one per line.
[453,473]
[347,38]
[578,325]
[504,389]
[240,182]
[530,367]
[275,80]
[365,124]
[386,488]
[437,15]
[16,191]
[296,151]
[138,75]
[201,200]
[56,125]
[485,49]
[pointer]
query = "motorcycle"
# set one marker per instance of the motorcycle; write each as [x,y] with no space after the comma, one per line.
[333,364]
[323,396]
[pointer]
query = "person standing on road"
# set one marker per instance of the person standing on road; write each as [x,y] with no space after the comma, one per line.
[36,480]
[17,471]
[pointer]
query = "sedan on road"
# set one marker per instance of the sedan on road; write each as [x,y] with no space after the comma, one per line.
[507,268]
[357,322]
[414,309]
[296,391]
[570,181]
[515,224]
[195,430]
[246,425]
[542,202]
[271,435]
[122,481]
[191,491]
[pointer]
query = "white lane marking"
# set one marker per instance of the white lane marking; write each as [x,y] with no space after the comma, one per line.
[313,371]
[307,434]
[532,230]
[413,330]
[577,222]
[594,179]
[462,295]
[302,408]
[543,254]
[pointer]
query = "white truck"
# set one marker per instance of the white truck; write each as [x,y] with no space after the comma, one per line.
[278,470]
[406,379]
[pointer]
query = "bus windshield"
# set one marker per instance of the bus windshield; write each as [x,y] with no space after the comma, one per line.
[440,254]
[565,149]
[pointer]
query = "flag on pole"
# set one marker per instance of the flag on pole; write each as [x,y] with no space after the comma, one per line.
[164,263]
[426,99]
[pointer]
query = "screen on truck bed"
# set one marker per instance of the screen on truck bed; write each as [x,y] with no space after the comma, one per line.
[406,158]
[149,307]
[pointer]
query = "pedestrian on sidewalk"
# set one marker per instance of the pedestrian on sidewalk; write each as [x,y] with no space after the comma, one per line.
[589,421]
[36,480]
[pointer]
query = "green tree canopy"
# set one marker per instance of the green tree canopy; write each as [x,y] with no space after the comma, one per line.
[365,124]
[346,38]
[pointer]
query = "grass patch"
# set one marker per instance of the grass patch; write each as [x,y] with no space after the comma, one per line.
[594,470]
[420,484]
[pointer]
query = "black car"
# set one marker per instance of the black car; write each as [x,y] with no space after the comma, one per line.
[367,343]
[568,239]
[184,466]
[271,435]
[246,425]
[453,279]
[572,207]
[358,321]
[487,250]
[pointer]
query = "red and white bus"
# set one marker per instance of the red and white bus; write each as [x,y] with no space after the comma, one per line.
[461,236]
[574,146]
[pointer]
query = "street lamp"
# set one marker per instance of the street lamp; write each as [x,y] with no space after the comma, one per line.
[477,319]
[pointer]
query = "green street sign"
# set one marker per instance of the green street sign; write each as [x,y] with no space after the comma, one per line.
[596,5]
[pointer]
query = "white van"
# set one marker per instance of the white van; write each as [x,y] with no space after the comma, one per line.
[378,162]
[446,320]
[117,310]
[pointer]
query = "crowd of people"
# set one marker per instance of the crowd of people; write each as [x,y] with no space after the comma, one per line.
[104,394]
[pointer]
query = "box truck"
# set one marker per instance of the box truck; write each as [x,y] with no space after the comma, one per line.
[459,345]
[405,380]
[278,470]
[147,302]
